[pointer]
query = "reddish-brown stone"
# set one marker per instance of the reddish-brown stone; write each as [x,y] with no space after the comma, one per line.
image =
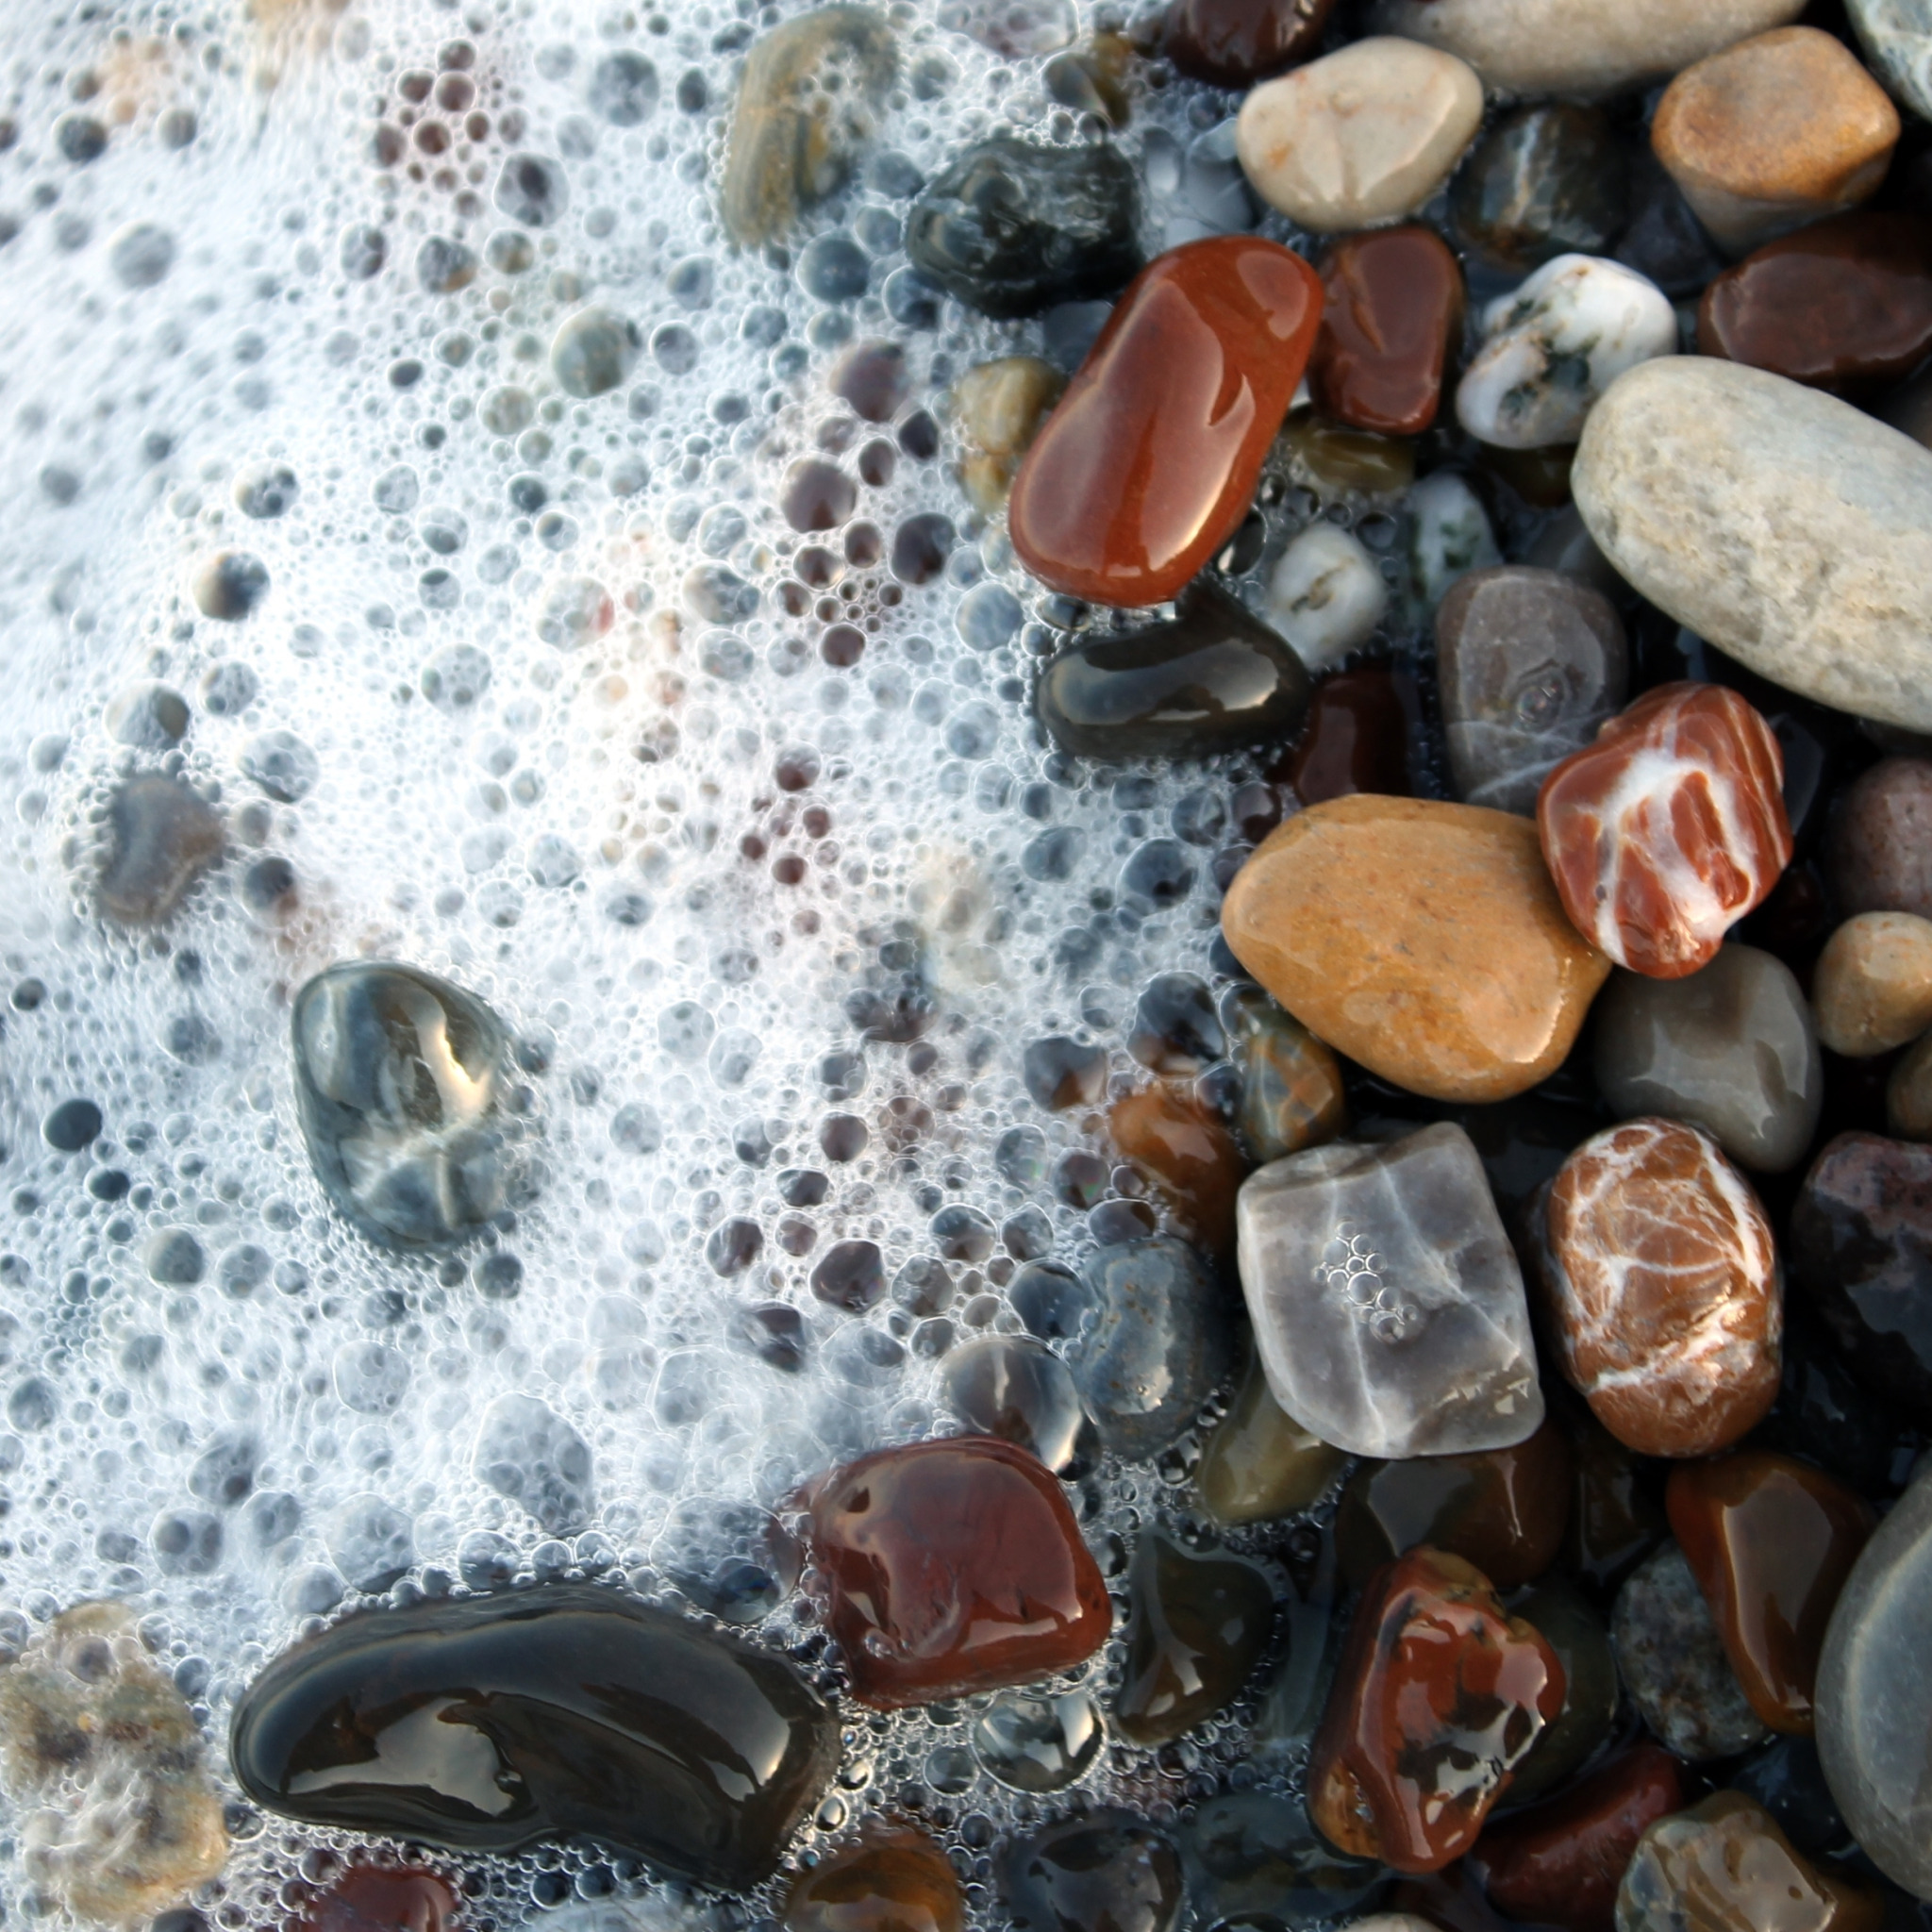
[1394,304]
[1149,462]
[950,1567]
[1187,1152]
[1357,737]
[1771,1542]
[1439,1695]
[894,1880]
[1667,830]
[1234,43]
[1561,1863]
[382,1898]
[1661,1280]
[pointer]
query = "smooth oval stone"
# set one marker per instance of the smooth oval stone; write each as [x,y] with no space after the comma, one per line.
[162,837]
[1233,43]
[1872,988]
[1197,1623]
[1845,305]
[808,98]
[1531,663]
[382,1898]
[1878,843]
[894,1879]
[1771,1542]
[1440,1696]
[1151,457]
[494,1723]
[1874,1694]
[1292,1090]
[998,408]
[1154,1348]
[1008,1385]
[1039,1743]
[952,1566]
[403,1086]
[1327,596]
[1543,181]
[1821,514]
[1423,940]
[1731,1049]
[1570,1625]
[1106,1872]
[1172,1140]
[1211,680]
[1896,36]
[1010,229]
[1261,1463]
[1393,304]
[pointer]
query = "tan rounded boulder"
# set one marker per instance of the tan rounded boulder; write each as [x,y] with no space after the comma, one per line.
[1871,989]
[1423,940]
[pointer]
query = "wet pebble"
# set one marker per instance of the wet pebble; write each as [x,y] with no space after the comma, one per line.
[1197,1623]
[162,836]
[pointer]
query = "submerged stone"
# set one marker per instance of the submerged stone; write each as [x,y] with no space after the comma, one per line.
[381,1898]
[1261,1463]
[162,837]
[1545,181]
[1292,1092]
[1233,43]
[1107,1871]
[1253,1859]
[894,1879]
[1011,1387]
[1672,1663]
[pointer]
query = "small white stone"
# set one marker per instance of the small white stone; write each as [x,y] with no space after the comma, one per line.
[1451,537]
[1360,137]
[1326,595]
[1556,345]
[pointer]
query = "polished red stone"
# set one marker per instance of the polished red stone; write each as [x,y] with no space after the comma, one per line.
[1236,42]
[382,1898]
[1561,1863]
[1669,828]
[950,1567]
[1843,304]
[1393,307]
[1148,462]
[1439,1695]
[1771,1542]
[1357,737]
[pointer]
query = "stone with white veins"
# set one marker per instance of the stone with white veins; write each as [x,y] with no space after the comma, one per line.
[1552,348]
[1788,528]
[1896,36]
[1326,595]
[1387,1302]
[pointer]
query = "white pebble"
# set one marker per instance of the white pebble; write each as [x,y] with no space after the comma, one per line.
[1326,595]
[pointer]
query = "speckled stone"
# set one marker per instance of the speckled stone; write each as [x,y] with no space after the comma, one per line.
[1878,847]
[1872,988]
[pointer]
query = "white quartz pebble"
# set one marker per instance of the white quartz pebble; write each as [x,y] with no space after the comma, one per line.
[1326,595]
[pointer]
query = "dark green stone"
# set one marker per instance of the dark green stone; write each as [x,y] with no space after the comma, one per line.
[1196,1627]
[1545,181]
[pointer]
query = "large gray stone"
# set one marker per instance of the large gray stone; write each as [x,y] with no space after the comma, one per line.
[1897,37]
[1787,527]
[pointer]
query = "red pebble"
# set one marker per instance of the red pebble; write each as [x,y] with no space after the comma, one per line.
[952,1567]
[1394,304]
[382,1898]
[1667,830]
[1561,1863]
[1150,460]
[1438,1696]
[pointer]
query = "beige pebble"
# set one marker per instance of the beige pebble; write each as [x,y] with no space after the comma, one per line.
[1782,129]
[998,408]
[1873,988]
[1360,137]
[1909,1095]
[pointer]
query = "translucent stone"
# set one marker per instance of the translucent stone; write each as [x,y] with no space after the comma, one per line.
[1040,1744]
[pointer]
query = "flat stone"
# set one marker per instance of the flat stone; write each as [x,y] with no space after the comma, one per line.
[1530,664]
[1327,596]
[1661,1280]
[1896,36]
[894,1879]
[1393,305]
[1874,1694]
[162,837]
[1822,516]
[1552,349]
[1878,843]
[1730,1049]
[1197,1623]
[1150,461]
[1596,48]
[1232,43]
[1777,130]
[1259,1463]
[1872,988]
[1547,181]
[998,408]
[1360,137]
[1388,1304]
[1423,940]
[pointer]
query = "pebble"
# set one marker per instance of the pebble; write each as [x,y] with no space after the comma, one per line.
[1843,304]
[1233,43]
[949,1567]
[1771,1542]
[162,837]
[1440,1696]
[1393,305]
[116,1815]
[1259,1463]
[1360,137]
[1543,181]
[1185,1149]
[1672,1663]
[597,1678]
[1878,843]
[1908,1095]
[1040,1744]
[1896,36]
[1197,1623]
[1254,1856]
[1359,737]
[1327,596]
[1291,1088]
[893,1879]
[407,1105]
[1593,1697]
[1104,1872]
[1451,535]
[1008,1385]
[1731,1049]
[1662,1281]
[808,101]
[1011,228]
[1144,470]
[1589,50]
[381,1898]
[1872,988]
[1823,516]
[1423,940]
[1387,1303]
[1353,466]
[1777,131]
[1551,349]
[1874,1694]
[1530,664]
[998,408]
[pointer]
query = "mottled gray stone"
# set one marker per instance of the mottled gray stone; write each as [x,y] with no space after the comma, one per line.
[1897,38]
[1673,1665]
[1387,1301]
[1730,1048]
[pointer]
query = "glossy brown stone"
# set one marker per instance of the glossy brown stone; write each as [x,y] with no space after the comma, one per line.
[1561,1863]
[1878,846]
[1394,302]
[894,1880]
[1842,306]
[1149,462]
[1439,1694]
[382,1898]
[1261,1462]
[1771,1542]
[1233,43]
[1505,1510]
[950,1567]
[1188,1152]
[1357,737]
